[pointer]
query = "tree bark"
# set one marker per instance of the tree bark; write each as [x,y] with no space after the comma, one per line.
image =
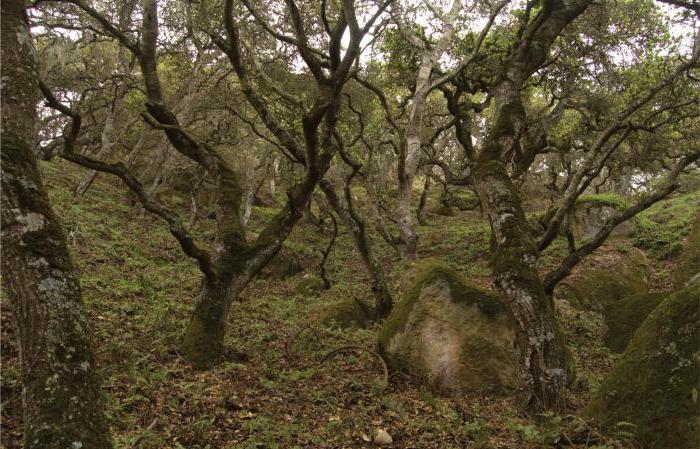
[514,255]
[61,396]
[382,296]
[421,214]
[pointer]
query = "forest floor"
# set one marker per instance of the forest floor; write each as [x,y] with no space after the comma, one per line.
[271,391]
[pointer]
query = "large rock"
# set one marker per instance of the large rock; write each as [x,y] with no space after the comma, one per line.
[596,289]
[347,313]
[285,264]
[654,384]
[623,318]
[587,217]
[591,213]
[688,268]
[452,335]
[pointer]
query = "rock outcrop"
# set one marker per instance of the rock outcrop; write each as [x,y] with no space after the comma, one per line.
[654,384]
[453,336]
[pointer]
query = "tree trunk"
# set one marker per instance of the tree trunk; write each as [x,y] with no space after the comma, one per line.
[203,342]
[514,256]
[61,396]
[382,297]
[422,219]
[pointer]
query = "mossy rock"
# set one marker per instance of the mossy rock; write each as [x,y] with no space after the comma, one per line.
[347,313]
[284,265]
[624,317]
[308,285]
[654,384]
[688,268]
[451,335]
[598,289]
[446,211]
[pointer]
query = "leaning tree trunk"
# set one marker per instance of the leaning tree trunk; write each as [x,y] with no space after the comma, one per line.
[514,255]
[61,396]
[421,214]
[383,301]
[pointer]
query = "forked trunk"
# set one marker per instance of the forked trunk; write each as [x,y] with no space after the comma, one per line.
[514,255]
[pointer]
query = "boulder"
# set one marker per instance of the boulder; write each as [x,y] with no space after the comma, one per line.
[596,289]
[347,313]
[446,211]
[688,268]
[309,284]
[587,217]
[592,211]
[623,318]
[654,384]
[285,264]
[453,336]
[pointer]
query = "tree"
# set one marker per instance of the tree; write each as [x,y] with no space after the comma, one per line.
[513,139]
[304,135]
[62,403]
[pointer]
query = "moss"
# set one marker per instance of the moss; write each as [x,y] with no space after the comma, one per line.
[461,291]
[602,200]
[624,317]
[689,262]
[655,382]
[663,228]
[598,289]
[446,211]
[308,285]
[480,338]
[22,179]
[347,313]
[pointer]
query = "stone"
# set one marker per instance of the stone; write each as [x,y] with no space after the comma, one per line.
[347,313]
[654,384]
[623,318]
[382,438]
[596,289]
[451,335]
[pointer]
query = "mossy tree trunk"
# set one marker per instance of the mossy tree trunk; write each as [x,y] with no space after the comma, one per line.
[234,262]
[61,396]
[514,256]
[422,213]
[383,301]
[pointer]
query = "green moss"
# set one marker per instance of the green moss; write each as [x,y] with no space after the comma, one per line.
[308,285]
[446,211]
[347,313]
[598,289]
[22,180]
[689,262]
[662,229]
[603,200]
[624,317]
[654,385]
[461,291]
[484,336]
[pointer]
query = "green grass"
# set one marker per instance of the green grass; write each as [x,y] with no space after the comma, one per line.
[662,228]
[139,290]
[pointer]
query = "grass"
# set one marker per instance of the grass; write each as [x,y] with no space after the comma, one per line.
[139,289]
[662,228]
